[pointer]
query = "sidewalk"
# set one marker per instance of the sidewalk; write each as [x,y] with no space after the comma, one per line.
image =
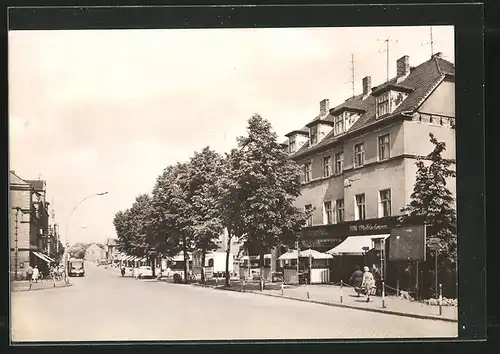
[331,295]
[24,285]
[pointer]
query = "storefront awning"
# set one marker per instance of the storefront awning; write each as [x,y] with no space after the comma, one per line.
[305,254]
[43,257]
[266,256]
[353,245]
[126,258]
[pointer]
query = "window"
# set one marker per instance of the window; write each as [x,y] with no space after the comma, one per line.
[327,167]
[360,212]
[313,133]
[383,104]
[359,155]
[308,209]
[385,203]
[339,163]
[383,147]
[340,210]
[328,217]
[307,172]
[339,124]
[291,144]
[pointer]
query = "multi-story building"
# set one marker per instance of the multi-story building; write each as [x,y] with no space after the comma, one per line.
[29,224]
[358,158]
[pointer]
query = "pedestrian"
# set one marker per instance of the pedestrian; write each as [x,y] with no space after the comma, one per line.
[36,273]
[357,279]
[377,276]
[29,273]
[368,284]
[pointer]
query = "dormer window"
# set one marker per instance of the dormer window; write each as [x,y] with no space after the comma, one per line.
[313,134]
[292,144]
[383,104]
[389,98]
[339,124]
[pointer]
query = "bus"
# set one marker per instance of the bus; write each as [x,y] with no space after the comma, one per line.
[76,268]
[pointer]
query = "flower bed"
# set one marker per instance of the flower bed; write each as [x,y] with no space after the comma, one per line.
[445,302]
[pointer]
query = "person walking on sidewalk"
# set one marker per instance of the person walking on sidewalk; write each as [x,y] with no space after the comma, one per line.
[368,284]
[29,273]
[36,273]
[357,279]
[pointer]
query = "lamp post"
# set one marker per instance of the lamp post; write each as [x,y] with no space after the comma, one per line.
[66,250]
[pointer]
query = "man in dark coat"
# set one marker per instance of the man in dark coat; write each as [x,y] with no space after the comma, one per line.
[356,279]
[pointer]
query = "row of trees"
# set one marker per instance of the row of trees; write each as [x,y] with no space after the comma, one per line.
[249,193]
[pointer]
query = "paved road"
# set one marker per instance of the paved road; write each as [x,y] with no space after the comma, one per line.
[105,306]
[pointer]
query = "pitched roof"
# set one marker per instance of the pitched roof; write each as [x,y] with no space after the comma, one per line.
[303,130]
[38,185]
[422,80]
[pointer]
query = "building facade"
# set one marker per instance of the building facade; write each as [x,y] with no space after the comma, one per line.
[94,253]
[358,158]
[29,225]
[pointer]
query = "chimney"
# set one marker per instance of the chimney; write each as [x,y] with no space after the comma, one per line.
[367,85]
[439,55]
[324,106]
[403,65]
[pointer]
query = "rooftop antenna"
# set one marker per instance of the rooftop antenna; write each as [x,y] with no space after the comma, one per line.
[387,41]
[352,74]
[352,81]
[430,42]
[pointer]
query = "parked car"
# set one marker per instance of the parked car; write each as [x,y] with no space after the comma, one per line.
[277,276]
[144,272]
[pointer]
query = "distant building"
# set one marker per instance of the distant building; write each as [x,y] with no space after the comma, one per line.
[94,252]
[111,250]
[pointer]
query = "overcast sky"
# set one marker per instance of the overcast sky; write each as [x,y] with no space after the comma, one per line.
[96,111]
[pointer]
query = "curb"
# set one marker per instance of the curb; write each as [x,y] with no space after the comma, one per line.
[51,288]
[387,312]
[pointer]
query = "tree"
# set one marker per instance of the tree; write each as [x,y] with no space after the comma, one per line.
[232,195]
[205,218]
[268,183]
[433,204]
[172,203]
[77,250]
[138,229]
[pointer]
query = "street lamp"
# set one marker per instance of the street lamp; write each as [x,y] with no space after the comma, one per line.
[67,227]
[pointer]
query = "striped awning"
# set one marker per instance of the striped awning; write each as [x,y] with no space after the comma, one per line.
[127,258]
[43,257]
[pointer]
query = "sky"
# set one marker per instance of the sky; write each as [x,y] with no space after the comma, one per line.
[94,111]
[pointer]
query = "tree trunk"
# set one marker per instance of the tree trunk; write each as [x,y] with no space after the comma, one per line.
[153,266]
[228,251]
[186,259]
[261,264]
[203,256]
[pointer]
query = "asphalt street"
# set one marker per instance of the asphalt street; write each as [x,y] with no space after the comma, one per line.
[103,306]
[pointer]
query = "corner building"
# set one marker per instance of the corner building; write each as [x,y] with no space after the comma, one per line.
[358,158]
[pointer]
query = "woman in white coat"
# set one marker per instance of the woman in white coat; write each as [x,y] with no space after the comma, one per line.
[36,273]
